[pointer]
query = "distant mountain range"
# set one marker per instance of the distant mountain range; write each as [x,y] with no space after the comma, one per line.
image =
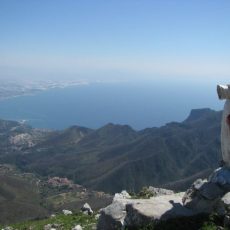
[116,157]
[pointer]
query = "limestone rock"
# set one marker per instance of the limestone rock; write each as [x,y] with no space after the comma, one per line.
[48,227]
[160,191]
[221,176]
[97,216]
[156,208]
[211,191]
[87,209]
[212,195]
[77,227]
[198,184]
[8,228]
[203,197]
[227,221]
[67,212]
[123,195]
[226,200]
[133,213]
[52,226]
[112,217]
[224,204]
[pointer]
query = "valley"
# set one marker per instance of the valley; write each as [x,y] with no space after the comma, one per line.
[116,157]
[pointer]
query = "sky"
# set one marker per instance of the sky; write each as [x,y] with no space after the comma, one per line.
[115,39]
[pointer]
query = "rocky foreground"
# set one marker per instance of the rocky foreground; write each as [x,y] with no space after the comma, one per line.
[153,208]
[163,210]
[203,197]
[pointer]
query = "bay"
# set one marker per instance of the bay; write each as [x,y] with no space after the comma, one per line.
[138,104]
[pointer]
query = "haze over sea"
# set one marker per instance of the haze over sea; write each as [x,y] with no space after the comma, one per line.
[138,104]
[157,59]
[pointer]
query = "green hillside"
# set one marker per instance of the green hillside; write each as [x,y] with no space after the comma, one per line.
[24,196]
[116,157]
[19,197]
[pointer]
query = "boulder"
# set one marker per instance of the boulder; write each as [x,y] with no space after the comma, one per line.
[211,191]
[147,211]
[221,176]
[67,212]
[52,226]
[206,196]
[203,197]
[47,227]
[198,184]
[133,213]
[8,228]
[227,221]
[97,216]
[224,204]
[77,227]
[86,209]
[122,195]
[226,200]
[159,191]
[112,217]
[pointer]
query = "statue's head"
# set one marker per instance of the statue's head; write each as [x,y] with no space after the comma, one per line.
[223,91]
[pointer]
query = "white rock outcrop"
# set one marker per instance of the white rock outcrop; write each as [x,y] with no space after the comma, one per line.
[159,191]
[86,209]
[134,213]
[67,212]
[77,227]
[123,195]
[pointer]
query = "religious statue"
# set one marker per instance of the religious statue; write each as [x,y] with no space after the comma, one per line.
[224,93]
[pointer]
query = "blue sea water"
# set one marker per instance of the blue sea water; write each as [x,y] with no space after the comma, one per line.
[138,104]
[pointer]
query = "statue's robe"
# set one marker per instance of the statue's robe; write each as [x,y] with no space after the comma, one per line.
[225,134]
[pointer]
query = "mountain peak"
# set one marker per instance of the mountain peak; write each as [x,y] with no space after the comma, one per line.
[113,126]
[197,114]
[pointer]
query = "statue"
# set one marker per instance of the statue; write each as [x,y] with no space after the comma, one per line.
[224,93]
[221,175]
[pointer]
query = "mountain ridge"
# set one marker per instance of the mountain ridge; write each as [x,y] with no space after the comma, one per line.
[116,157]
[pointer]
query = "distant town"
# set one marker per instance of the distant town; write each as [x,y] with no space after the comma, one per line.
[9,89]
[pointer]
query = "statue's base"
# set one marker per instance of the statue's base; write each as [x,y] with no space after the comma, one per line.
[212,195]
[221,176]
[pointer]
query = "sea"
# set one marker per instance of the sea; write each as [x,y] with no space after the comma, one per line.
[138,104]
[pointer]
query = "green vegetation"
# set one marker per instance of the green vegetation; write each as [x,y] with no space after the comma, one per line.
[202,222]
[61,221]
[67,222]
[19,199]
[144,193]
[24,196]
[116,157]
[110,159]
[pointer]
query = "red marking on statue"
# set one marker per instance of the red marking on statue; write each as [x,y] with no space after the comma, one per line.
[228,120]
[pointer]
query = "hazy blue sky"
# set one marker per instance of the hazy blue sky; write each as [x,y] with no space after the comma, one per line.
[115,39]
